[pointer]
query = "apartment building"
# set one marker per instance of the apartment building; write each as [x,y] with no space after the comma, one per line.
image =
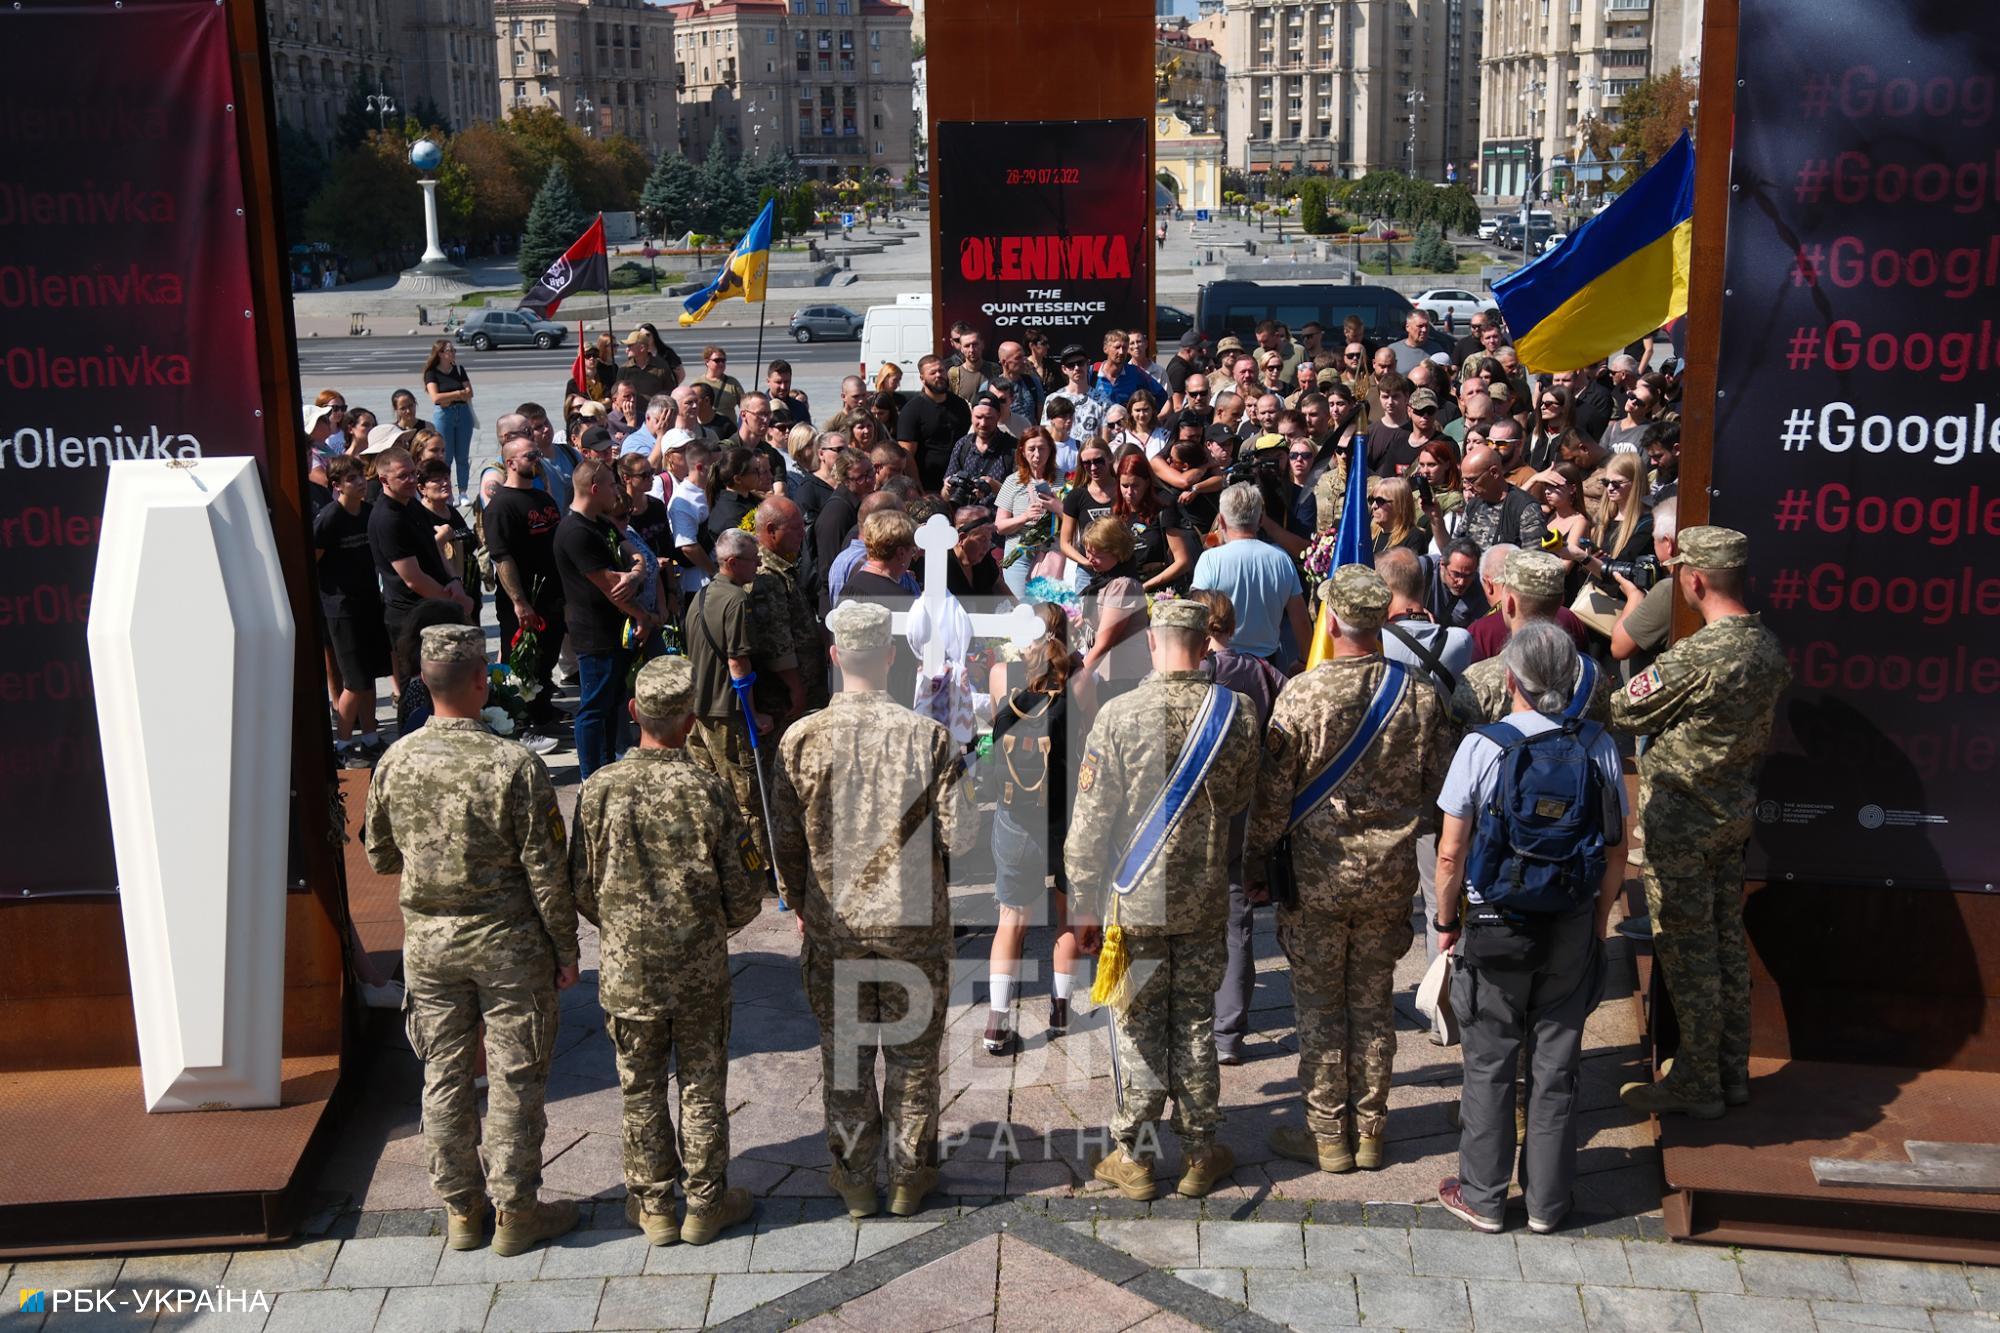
[1352,86]
[1189,75]
[404,51]
[606,65]
[828,81]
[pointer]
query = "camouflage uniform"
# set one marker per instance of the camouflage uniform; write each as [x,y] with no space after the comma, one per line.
[1355,860]
[1482,695]
[1708,703]
[867,802]
[1330,494]
[471,821]
[720,741]
[664,866]
[784,636]
[1174,918]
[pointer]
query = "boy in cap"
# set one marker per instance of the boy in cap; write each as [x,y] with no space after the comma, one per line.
[1164,769]
[666,868]
[1708,703]
[1354,829]
[469,819]
[869,799]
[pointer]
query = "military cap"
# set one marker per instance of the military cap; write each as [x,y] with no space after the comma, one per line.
[1358,596]
[1180,613]
[1327,377]
[453,643]
[665,688]
[1424,399]
[1534,574]
[1500,391]
[858,626]
[1230,343]
[1712,548]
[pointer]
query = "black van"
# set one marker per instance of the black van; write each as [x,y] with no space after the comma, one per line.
[1239,307]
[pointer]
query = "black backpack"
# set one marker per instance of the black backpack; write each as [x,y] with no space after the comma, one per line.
[1538,846]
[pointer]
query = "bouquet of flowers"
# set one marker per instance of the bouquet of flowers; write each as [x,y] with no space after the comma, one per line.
[506,711]
[1042,588]
[1039,536]
[1317,562]
[524,656]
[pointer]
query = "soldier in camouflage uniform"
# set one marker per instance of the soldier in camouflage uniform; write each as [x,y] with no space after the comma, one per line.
[664,866]
[1174,917]
[868,801]
[1355,862]
[1708,703]
[489,935]
[784,631]
[1531,588]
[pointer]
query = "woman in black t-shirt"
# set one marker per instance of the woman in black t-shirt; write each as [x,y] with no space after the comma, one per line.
[450,388]
[738,485]
[1163,551]
[457,547]
[1092,498]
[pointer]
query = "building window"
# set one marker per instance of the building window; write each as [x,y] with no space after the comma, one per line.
[515,28]
[541,27]
[874,67]
[875,40]
[770,36]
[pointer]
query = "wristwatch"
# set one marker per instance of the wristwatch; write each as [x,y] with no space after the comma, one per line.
[1445,927]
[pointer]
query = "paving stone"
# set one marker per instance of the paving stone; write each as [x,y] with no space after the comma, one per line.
[1894,1282]
[386,1261]
[411,1222]
[203,1269]
[1252,1245]
[620,1253]
[653,1302]
[1685,1268]
[209,1321]
[52,1273]
[487,1265]
[1413,1302]
[286,1268]
[734,1293]
[446,1309]
[1805,1276]
[1851,1314]
[1343,1249]
[1161,1244]
[1965,1321]
[730,1254]
[1560,1259]
[1629,1310]
[872,1236]
[346,1311]
[545,1307]
[1465,1254]
[1038,1291]
[1503,1305]
[803,1247]
[1224,1282]
[1723,1313]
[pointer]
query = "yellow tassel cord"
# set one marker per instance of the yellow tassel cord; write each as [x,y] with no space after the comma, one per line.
[1112,984]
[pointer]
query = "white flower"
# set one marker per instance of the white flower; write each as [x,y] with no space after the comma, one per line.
[497,719]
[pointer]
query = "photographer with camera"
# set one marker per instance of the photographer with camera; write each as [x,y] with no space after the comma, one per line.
[983,457]
[1642,629]
[1623,530]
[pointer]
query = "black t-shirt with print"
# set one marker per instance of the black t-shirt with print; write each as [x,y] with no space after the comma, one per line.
[583,547]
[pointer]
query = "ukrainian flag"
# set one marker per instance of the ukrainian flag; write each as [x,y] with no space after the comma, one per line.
[1621,276]
[742,273]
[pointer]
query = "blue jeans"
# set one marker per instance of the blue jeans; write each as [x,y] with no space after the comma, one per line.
[454,422]
[600,707]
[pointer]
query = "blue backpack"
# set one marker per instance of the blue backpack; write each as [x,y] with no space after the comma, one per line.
[1538,847]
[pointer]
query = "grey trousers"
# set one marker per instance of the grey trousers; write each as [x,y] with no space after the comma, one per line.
[1427,887]
[1499,1012]
[1239,977]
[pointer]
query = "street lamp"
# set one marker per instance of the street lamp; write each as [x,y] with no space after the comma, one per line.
[383,105]
[585,109]
[1415,99]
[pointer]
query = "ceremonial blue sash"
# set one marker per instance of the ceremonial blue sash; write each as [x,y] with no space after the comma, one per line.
[1388,698]
[1586,685]
[1204,741]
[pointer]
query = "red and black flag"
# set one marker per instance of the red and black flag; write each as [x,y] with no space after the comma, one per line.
[584,267]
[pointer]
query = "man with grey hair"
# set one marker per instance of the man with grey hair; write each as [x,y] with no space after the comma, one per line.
[661,413]
[1259,579]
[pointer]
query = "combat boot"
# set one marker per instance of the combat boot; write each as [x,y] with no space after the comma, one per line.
[1127,1174]
[1370,1151]
[660,1228]
[1205,1170]
[907,1196]
[517,1233]
[1736,1091]
[856,1191]
[702,1227]
[466,1230]
[1304,1146]
[1666,1098]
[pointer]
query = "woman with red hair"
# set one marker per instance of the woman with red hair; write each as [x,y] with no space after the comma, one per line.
[1165,548]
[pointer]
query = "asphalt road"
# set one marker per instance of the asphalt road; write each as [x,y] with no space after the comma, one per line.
[399,359]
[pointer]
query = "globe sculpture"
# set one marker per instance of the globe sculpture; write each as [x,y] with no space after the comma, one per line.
[425,155]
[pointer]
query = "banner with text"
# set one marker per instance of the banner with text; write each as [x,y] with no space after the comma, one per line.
[125,288]
[1044,223]
[1858,437]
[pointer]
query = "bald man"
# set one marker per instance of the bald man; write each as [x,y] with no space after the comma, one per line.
[785,645]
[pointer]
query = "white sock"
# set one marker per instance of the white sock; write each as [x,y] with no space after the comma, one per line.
[1002,987]
[1060,983]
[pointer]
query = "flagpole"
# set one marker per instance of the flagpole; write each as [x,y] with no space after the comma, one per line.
[607,291]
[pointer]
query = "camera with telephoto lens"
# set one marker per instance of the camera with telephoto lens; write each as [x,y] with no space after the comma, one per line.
[1264,469]
[1643,572]
[960,490]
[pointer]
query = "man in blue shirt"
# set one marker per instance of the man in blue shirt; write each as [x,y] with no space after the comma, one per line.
[1116,379]
[1260,580]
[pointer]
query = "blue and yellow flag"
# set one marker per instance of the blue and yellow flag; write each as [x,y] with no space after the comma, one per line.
[1621,276]
[1355,545]
[742,273]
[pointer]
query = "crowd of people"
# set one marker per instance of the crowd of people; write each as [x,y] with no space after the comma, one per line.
[1208,721]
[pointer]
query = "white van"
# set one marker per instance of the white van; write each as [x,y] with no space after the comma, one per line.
[899,333]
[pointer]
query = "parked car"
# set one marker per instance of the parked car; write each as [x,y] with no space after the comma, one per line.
[487,329]
[1487,227]
[825,321]
[1454,303]
[1169,323]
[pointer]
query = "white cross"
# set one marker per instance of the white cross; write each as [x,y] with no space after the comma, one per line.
[935,539]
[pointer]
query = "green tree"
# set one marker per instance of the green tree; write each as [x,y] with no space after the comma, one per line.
[800,210]
[1315,218]
[431,116]
[1432,251]
[355,122]
[498,194]
[302,171]
[369,204]
[727,204]
[1652,115]
[670,204]
[556,219]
